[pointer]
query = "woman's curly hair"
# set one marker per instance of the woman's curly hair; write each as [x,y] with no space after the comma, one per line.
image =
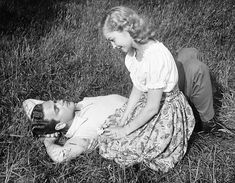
[121,18]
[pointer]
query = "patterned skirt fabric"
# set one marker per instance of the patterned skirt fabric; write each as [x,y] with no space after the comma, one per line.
[160,143]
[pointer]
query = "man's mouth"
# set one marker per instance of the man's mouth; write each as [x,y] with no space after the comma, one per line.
[52,135]
[66,103]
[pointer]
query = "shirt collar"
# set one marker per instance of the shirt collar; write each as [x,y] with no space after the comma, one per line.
[77,122]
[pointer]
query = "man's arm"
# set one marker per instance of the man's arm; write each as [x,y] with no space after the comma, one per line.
[71,149]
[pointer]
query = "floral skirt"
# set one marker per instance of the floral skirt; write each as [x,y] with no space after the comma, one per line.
[160,143]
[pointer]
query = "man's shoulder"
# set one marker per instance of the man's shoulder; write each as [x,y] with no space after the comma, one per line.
[100,103]
[104,97]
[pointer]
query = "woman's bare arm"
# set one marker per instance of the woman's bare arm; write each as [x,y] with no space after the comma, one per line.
[151,108]
[133,99]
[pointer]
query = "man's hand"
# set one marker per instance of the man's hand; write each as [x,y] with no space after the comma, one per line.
[49,140]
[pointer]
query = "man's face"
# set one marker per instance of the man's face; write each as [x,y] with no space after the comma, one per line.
[60,110]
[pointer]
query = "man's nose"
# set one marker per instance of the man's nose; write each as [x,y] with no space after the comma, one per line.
[114,45]
[61,102]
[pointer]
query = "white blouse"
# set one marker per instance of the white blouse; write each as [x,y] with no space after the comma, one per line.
[157,69]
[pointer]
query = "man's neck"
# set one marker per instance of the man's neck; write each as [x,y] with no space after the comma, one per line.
[69,123]
[76,113]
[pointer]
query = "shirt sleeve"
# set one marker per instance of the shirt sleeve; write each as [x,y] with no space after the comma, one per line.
[71,149]
[157,69]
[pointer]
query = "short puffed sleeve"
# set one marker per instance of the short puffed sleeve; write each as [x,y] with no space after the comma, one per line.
[160,68]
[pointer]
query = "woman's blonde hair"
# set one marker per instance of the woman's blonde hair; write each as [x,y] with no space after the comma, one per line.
[121,18]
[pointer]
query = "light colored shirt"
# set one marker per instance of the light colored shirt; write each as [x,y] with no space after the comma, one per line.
[85,127]
[157,69]
[94,111]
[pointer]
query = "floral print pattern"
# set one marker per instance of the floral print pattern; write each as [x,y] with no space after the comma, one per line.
[160,143]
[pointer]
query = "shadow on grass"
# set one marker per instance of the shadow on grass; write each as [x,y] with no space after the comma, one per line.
[17,16]
[217,95]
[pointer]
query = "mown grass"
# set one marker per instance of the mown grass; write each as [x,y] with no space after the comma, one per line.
[54,49]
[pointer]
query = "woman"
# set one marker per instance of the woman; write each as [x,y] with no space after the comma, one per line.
[156,123]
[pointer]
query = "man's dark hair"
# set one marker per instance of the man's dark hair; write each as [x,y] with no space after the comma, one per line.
[39,126]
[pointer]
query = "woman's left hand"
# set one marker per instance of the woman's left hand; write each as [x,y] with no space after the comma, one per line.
[116,132]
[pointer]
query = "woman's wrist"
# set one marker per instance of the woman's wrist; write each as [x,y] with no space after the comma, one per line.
[126,129]
[122,121]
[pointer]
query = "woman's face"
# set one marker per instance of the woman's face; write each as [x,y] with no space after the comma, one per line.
[119,39]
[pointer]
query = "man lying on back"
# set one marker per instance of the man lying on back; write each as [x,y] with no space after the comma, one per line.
[80,122]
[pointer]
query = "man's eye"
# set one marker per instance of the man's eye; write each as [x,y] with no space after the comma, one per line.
[56,109]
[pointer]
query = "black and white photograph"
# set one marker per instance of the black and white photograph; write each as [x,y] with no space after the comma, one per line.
[117,91]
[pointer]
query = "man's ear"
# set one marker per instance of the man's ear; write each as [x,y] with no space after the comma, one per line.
[60,126]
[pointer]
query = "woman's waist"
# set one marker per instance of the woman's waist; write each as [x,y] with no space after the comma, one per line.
[165,95]
[172,94]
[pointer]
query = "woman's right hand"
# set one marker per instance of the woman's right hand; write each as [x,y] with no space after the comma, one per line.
[123,121]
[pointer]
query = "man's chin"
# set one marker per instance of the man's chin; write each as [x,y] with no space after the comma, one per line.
[71,105]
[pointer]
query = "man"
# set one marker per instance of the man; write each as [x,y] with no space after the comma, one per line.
[195,83]
[81,123]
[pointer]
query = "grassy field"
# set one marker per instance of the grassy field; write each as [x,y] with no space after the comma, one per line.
[53,49]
